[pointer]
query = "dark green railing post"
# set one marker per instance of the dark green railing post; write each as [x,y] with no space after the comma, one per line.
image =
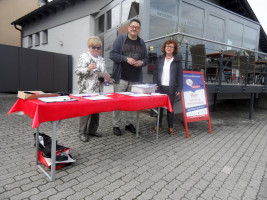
[186,56]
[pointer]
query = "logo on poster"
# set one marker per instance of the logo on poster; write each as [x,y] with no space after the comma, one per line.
[190,82]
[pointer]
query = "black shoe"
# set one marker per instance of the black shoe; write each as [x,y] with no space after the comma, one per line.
[96,134]
[84,137]
[117,131]
[130,128]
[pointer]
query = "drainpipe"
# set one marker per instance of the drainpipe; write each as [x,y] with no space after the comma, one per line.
[20,30]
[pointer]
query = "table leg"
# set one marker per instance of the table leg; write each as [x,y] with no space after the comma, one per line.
[37,145]
[137,124]
[157,133]
[51,177]
[53,152]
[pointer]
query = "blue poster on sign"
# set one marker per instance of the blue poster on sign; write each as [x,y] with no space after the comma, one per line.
[194,95]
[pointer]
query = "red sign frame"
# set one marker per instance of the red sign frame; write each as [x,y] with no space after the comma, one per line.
[195,118]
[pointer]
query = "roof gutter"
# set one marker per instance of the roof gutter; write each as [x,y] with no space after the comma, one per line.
[20,30]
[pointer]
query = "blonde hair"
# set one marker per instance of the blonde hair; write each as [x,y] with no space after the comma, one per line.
[93,41]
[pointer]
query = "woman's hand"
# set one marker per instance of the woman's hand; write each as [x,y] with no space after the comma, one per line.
[91,67]
[177,93]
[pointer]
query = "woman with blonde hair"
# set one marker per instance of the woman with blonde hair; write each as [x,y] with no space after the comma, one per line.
[91,70]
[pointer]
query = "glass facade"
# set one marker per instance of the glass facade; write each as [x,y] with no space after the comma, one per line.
[100,25]
[163,17]
[129,10]
[160,18]
[250,38]
[192,19]
[234,33]
[113,16]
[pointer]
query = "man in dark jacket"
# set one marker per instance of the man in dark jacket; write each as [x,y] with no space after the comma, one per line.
[129,55]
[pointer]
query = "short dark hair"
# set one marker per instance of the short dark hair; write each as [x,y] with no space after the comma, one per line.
[135,20]
[170,42]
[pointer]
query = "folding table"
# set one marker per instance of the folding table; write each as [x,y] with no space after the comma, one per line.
[41,112]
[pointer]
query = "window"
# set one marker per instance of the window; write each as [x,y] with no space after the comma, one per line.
[250,38]
[130,9]
[113,17]
[45,37]
[100,24]
[29,41]
[235,32]
[163,17]
[37,39]
[215,31]
[192,19]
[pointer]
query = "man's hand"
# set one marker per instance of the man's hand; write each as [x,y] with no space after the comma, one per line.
[130,61]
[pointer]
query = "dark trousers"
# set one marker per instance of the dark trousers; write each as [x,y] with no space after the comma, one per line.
[89,124]
[165,90]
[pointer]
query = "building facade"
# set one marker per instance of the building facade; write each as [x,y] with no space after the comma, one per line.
[63,26]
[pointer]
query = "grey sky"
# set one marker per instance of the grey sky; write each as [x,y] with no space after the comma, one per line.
[260,9]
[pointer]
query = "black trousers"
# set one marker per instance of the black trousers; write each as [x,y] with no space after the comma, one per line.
[89,124]
[165,90]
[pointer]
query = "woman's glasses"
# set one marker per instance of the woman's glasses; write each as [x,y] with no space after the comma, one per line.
[93,47]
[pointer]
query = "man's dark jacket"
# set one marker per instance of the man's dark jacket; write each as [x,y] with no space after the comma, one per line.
[117,57]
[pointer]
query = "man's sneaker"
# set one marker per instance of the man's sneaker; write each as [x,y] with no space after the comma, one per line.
[130,128]
[117,131]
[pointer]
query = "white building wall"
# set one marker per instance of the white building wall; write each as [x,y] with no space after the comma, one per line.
[70,38]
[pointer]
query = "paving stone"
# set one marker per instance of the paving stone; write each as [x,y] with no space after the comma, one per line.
[101,184]
[194,193]
[163,194]
[114,195]
[178,193]
[97,195]
[80,195]
[159,185]
[202,184]
[133,194]
[44,194]
[26,194]
[10,193]
[129,186]
[63,194]
[148,194]
[66,185]
[82,185]
[144,185]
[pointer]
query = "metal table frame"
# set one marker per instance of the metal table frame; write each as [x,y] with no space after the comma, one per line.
[55,125]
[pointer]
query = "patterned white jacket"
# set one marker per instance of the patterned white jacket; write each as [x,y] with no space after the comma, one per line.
[88,80]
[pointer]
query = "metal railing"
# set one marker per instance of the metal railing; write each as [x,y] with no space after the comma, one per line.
[221,67]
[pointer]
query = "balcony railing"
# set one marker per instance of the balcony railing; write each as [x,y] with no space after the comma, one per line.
[221,64]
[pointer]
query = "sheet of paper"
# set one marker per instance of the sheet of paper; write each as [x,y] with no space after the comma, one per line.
[140,95]
[56,99]
[85,95]
[158,94]
[49,162]
[99,97]
[125,93]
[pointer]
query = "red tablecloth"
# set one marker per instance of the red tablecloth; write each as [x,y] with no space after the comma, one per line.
[42,112]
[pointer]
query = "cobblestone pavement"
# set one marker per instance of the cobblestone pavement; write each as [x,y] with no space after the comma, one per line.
[229,164]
